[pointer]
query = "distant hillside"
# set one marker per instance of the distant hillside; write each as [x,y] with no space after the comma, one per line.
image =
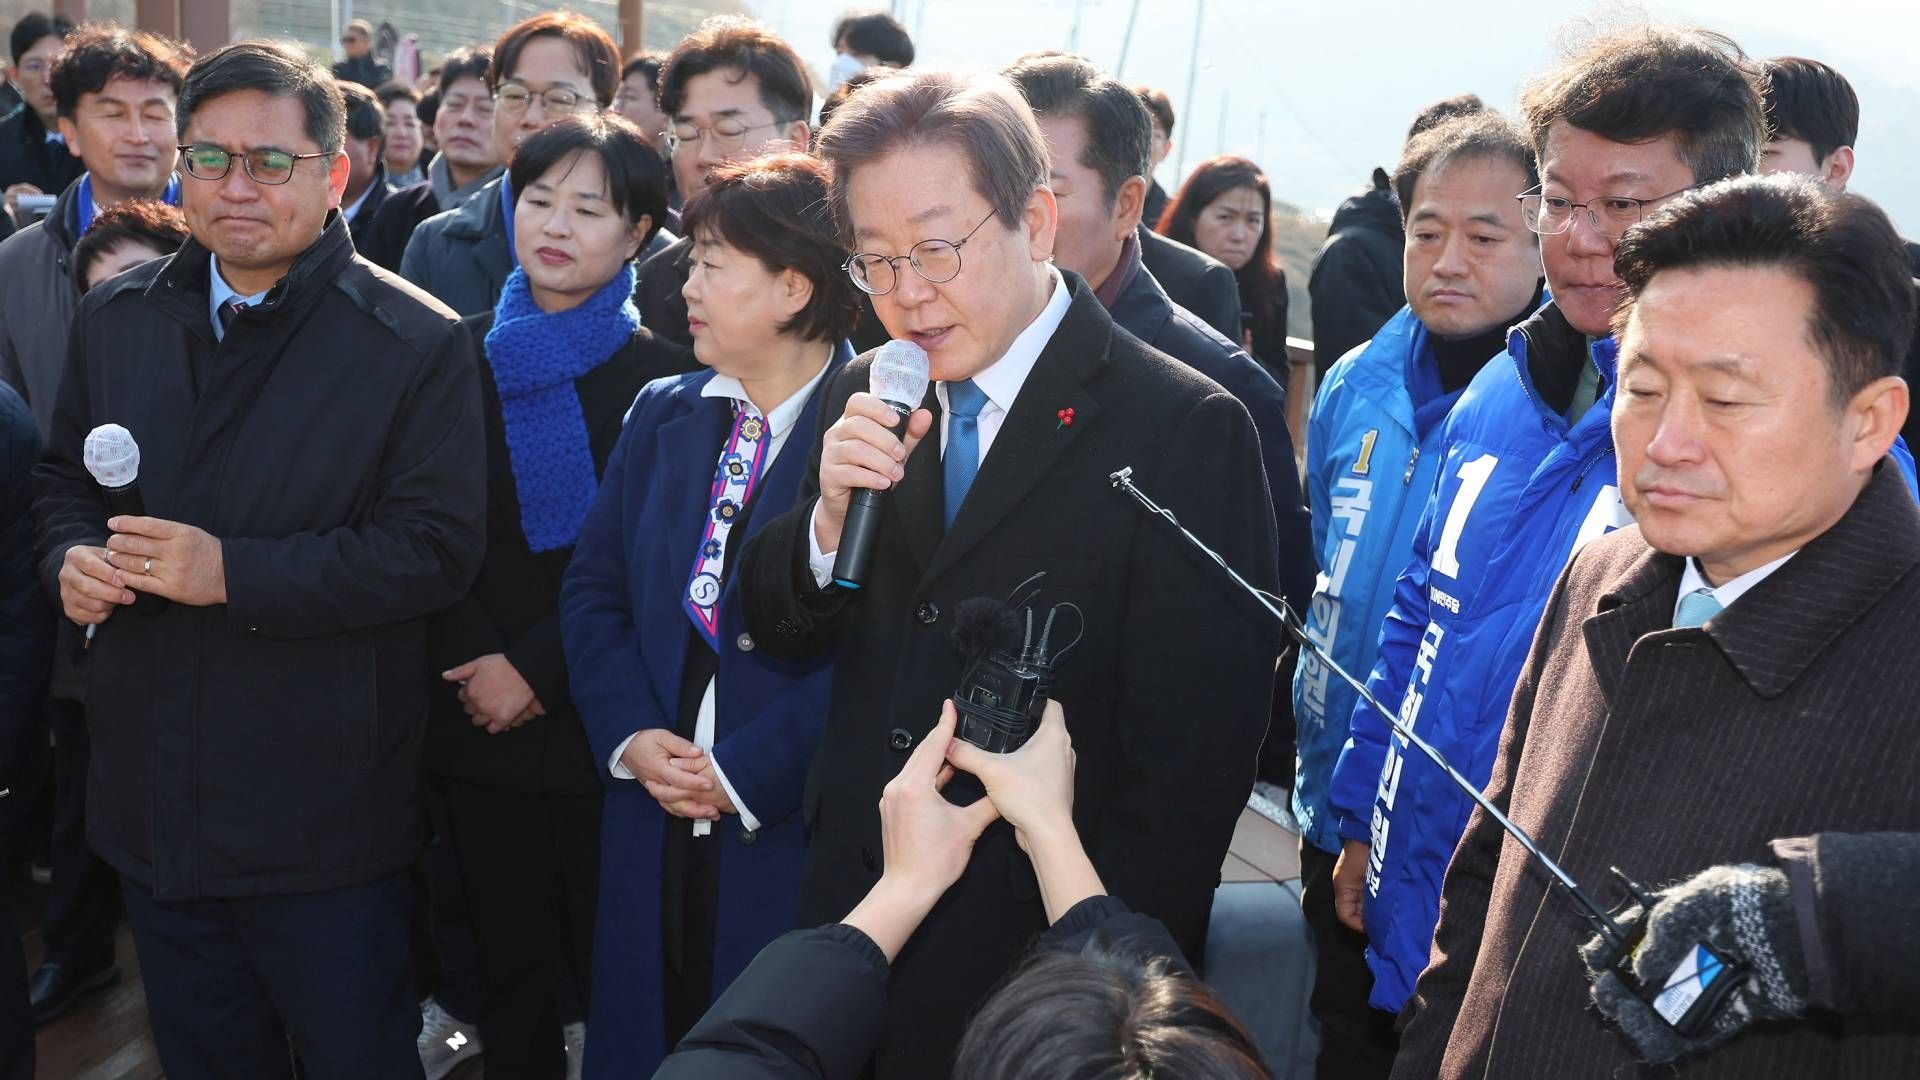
[1296,239]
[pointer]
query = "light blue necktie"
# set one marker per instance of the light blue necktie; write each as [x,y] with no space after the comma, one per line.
[962,458]
[1696,608]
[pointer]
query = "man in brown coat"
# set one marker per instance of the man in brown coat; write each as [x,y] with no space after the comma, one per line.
[1722,696]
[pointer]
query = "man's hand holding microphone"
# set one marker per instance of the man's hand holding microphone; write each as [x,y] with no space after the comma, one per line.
[865,453]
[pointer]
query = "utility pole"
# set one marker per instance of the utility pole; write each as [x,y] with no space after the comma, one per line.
[633,26]
[1193,73]
[1220,140]
[1261,157]
[1133,16]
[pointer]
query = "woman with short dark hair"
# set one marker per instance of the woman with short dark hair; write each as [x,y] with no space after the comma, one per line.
[124,236]
[1226,210]
[564,353]
[705,739]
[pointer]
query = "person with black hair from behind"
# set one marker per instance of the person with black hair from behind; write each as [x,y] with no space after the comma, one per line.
[1105,991]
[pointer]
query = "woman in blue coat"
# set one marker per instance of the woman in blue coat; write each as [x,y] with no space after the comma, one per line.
[703,740]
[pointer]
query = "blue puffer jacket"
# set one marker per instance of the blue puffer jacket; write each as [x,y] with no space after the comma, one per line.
[1519,491]
[1368,475]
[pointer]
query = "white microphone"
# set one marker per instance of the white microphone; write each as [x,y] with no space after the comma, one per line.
[112,457]
[899,377]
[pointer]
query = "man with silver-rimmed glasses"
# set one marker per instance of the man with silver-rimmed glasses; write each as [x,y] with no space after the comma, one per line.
[311,461]
[940,192]
[1528,473]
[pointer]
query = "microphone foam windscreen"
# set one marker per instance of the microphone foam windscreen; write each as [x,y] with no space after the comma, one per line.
[112,456]
[899,373]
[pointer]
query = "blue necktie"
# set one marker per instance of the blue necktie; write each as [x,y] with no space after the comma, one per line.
[962,458]
[1696,608]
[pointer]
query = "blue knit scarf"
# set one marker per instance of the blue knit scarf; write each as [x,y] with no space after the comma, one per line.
[535,357]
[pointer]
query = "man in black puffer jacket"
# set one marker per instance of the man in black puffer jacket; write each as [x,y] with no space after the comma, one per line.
[1356,277]
[313,463]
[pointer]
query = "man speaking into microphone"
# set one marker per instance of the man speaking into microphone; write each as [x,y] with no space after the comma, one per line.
[1002,474]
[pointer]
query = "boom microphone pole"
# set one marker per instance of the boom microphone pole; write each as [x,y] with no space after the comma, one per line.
[1687,998]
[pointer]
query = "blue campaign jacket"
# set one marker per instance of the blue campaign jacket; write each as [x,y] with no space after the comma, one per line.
[626,638]
[1368,475]
[1518,492]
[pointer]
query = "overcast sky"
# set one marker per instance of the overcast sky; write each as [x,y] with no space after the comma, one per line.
[1320,92]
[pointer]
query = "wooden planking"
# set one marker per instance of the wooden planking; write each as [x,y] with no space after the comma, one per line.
[1271,849]
[105,1037]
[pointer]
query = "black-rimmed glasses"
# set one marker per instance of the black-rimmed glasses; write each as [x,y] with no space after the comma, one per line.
[264,165]
[1610,215]
[938,261]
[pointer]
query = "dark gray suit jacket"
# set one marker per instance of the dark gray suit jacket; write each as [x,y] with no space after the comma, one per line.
[1195,280]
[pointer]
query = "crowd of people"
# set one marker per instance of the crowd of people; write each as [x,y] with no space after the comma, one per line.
[374,640]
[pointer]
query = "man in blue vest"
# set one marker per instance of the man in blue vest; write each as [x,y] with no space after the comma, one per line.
[1472,270]
[1525,467]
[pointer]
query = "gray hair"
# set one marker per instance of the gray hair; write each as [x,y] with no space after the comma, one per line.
[982,116]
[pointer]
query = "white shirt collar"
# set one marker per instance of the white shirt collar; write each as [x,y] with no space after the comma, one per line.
[220,292]
[354,208]
[784,415]
[54,136]
[1692,581]
[1001,380]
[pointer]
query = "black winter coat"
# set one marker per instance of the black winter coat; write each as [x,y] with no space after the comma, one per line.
[1357,280]
[26,157]
[514,605]
[384,239]
[361,224]
[333,443]
[813,1004]
[1144,310]
[657,292]
[26,621]
[1195,280]
[1169,642]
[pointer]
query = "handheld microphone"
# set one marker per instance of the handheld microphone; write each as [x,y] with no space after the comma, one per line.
[899,377]
[112,457]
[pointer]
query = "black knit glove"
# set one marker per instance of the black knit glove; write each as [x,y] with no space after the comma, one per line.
[1746,914]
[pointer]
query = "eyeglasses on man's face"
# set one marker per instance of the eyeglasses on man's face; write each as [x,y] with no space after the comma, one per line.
[1610,215]
[264,164]
[728,133]
[512,98]
[938,261]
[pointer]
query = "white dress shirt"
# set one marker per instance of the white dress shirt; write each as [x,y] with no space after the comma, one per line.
[220,293]
[353,207]
[780,423]
[1692,581]
[1000,381]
